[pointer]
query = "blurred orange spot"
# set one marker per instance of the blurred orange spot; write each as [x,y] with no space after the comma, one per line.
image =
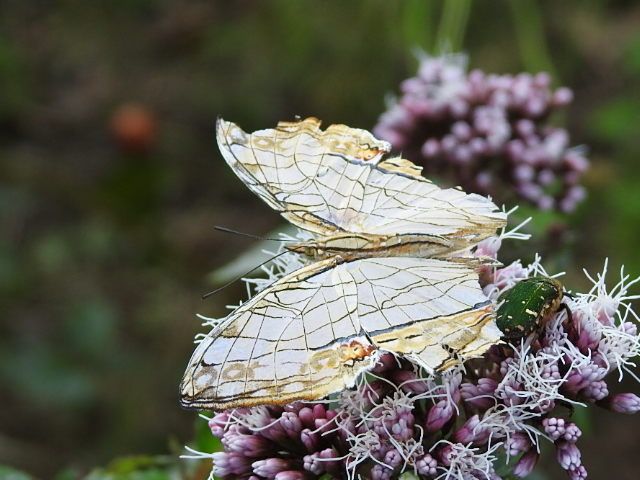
[133,127]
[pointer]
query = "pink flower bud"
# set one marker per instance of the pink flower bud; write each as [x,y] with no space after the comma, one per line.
[439,415]
[624,403]
[270,467]
[526,463]
[568,455]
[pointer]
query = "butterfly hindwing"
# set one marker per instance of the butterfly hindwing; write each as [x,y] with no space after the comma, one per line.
[428,310]
[298,339]
[311,333]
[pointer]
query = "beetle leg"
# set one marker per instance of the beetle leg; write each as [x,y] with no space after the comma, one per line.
[565,307]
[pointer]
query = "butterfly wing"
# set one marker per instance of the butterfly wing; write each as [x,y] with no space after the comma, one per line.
[431,311]
[298,339]
[313,331]
[337,181]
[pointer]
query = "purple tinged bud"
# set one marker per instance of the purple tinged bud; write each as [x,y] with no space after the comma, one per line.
[596,391]
[294,407]
[478,146]
[630,328]
[380,472]
[545,203]
[408,381]
[318,463]
[484,180]
[331,414]
[230,463]
[525,127]
[579,379]
[439,415]
[479,396]
[290,475]
[578,473]
[461,130]
[572,433]
[551,371]
[319,411]
[462,155]
[568,455]
[562,97]
[291,424]
[427,465]
[542,80]
[431,148]
[523,173]
[577,193]
[412,85]
[270,467]
[310,439]
[444,455]
[218,423]
[535,107]
[588,338]
[526,463]
[628,403]
[307,417]
[322,424]
[393,458]
[488,247]
[517,442]
[470,432]
[546,177]
[448,143]
[402,429]
[385,363]
[554,427]
[458,108]
[248,445]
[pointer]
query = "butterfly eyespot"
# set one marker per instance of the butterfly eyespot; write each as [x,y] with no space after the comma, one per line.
[322,172]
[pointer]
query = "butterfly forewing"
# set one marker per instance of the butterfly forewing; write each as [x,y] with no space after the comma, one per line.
[336,180]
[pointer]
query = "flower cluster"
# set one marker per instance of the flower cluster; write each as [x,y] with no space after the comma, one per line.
[487,131]
[480,420]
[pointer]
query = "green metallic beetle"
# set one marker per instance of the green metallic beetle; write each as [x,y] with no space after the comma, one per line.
[528,306]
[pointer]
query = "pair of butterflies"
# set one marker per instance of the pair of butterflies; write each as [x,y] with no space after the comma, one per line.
[390,271]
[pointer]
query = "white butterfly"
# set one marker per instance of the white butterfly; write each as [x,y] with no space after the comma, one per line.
[388,274]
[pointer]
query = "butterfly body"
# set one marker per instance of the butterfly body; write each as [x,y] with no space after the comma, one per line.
[388,270]
[355,245]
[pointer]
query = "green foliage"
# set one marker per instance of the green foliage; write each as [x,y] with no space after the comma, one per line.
[8,473]
[139,468]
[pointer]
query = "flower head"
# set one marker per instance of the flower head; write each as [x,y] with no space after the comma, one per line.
[458,424]
[487,131]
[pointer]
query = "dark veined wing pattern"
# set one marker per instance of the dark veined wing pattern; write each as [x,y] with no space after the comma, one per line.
[337,180]
[312,332]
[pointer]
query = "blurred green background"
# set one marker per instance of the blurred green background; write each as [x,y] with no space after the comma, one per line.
[111,183]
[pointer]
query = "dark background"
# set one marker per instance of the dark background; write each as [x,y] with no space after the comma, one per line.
[111,183]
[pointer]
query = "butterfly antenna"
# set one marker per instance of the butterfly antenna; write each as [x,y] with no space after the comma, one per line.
[257,237]
[212,292]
